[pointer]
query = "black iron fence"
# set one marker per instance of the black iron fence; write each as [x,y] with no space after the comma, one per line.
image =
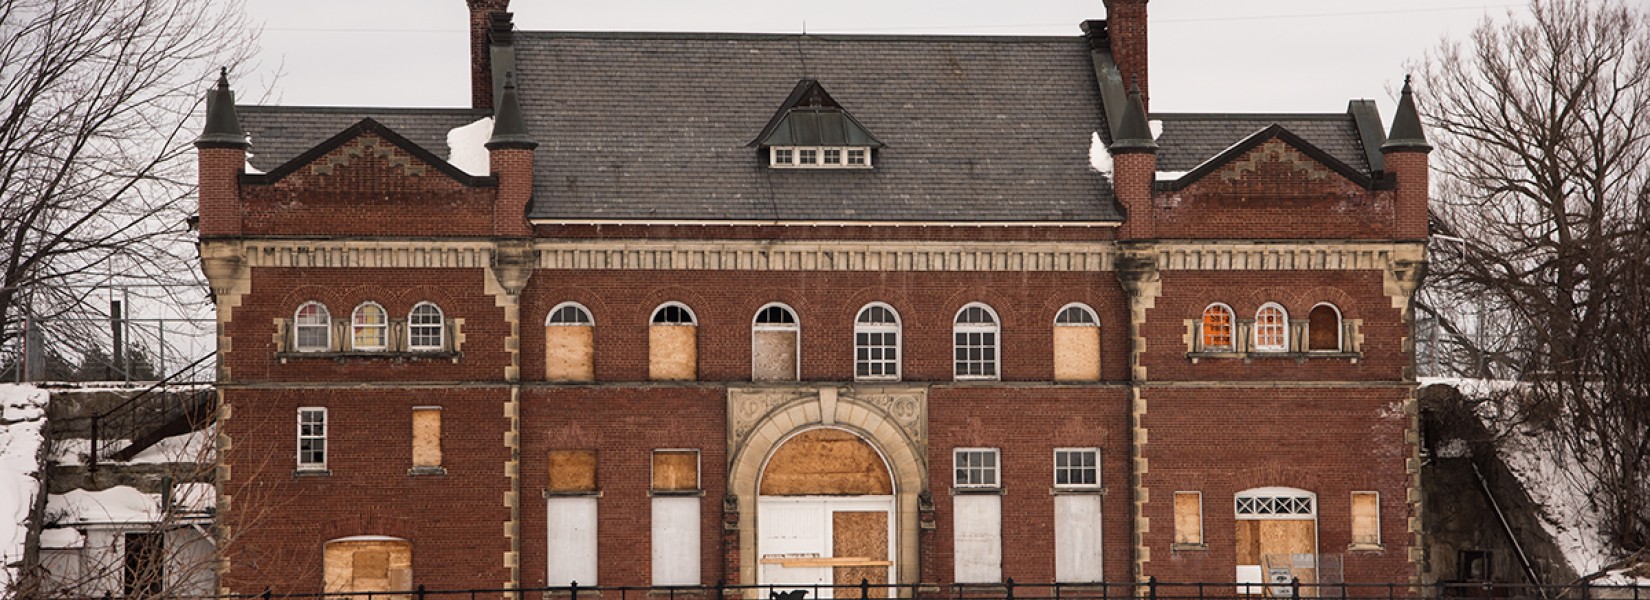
[1007,590]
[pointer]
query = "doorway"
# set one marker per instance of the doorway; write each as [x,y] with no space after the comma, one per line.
[1277,540]
[825,515]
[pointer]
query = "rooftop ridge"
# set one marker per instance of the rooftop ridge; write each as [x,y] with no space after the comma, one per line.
[300,108]
[1311,116]
[713,35]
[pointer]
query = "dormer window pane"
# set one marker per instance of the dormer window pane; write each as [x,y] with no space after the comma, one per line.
[807,156]
[781,156]
[856,157]
[833,156]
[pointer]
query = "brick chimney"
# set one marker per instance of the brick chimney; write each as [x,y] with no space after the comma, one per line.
[1134,164]
[221,156]
[481,62]
[1126,27]
[1406,151]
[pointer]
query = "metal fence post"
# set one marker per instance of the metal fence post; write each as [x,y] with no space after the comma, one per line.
[864,587]
[1294,588]
[573,591]
[1151,587]
[420,591]
[721,585]
[1010,591]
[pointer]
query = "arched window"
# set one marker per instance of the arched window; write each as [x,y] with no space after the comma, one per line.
[569,343]
[1271,328]
[426,331]
[370,326]
[775,344]
[312,328]
[1323,327]
[876,343]
[974,342]
[1217,328]
[1076,344]
[673,352]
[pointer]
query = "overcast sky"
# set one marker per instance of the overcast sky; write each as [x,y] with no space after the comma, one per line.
[1206,55]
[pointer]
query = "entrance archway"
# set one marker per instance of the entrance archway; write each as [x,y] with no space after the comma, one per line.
[826,512]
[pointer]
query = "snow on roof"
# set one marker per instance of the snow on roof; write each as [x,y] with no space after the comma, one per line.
[467,146]
[22,416]
[119,504]
[62,537]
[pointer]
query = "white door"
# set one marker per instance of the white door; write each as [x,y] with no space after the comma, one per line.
[795,529]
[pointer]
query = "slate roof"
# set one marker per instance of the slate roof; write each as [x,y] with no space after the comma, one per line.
[657,127]
[280,133]
[1188,139]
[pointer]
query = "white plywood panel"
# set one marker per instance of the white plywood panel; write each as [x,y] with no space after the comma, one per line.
[572,540]
[1077,538]
[977,536]
[676,541]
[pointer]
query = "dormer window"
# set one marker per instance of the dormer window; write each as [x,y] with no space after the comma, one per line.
[812,131]
[817,157]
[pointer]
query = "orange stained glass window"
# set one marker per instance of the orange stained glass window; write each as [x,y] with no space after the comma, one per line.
[1217,328]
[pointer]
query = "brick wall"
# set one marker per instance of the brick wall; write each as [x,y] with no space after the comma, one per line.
[1274,192]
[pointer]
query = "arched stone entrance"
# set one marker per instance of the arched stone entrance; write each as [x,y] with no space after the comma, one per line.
[825,511]
[836,433]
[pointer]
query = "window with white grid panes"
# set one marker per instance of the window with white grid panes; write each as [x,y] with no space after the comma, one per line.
[975,468]
[1271,328]
[312,439]
[876,343]
[819,157]
[1076,467]
[974,343]
[782,156]
[1275,506]
[807,156]
[312,328]
[424,328]
[856,157]
[370,327]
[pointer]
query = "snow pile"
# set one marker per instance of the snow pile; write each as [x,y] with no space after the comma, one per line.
[62,538]
[194,497]
[1099,156]
[467,146]
[119,504]
[193,447]
[22,417]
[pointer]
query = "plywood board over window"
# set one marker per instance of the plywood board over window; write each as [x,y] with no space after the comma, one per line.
[1076,353]
[826,462]
[569,353]
[675,470]
[1188,518]
[673,353]
[572,471]
[367,564]
[1366,520]
[773,355]
[427,436]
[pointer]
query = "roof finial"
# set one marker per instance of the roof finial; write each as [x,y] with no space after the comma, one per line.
[223,126]
[1134,133]
[1407,133]
[509,128]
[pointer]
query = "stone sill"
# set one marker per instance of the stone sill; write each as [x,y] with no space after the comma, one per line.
[297,473]
[1299,357]
[398,356]
[418,471]
[1185,547]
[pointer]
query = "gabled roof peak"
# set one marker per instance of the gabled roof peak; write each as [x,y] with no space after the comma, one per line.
[811,117]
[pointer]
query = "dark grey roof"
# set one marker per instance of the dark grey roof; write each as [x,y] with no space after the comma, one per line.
[657,127]
[1188,139]
[280,133]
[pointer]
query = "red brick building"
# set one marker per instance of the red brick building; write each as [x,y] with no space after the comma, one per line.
[810,309]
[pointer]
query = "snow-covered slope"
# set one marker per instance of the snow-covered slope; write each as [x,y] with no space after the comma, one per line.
[22,421]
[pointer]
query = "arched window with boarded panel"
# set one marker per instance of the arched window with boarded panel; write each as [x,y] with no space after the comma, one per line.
[367,563]
[673,343]
[775,344]
[1217,328]
[569,343]
[1323,327]
[1076,344]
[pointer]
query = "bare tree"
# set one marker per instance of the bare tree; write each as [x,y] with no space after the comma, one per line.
[1541,253]
[96,170]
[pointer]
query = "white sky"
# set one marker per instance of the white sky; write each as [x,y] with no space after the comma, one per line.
[1206,55]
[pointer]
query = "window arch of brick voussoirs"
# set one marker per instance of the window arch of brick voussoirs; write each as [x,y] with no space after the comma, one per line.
[1323,328]
[1217,329]
[1271,328]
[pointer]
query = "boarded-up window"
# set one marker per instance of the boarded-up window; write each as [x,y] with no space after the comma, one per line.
[569,344]
[427,436]
[978,538]
[675,540]
[774,341]
[1217,328]
[572,471]
[1188,517]
[571,525]
[672,344]
[675,470]
[368,564]
[1366,519]
[1076,344]
[1077,538]
[1324,328]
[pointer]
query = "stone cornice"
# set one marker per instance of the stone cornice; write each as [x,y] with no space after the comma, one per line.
[755,255]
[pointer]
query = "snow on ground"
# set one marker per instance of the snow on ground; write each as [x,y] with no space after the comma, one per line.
[1569,514]
[467,146]
[22,418]
[1099,156]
